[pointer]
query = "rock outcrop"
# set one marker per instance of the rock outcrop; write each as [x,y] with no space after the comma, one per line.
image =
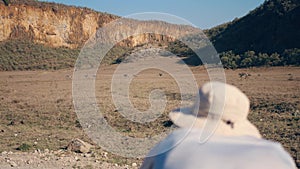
[58,25]
[79,146]
[52,24]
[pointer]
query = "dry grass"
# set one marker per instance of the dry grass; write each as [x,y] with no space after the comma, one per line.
[36,106]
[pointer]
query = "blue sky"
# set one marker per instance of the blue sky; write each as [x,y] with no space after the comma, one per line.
[202,13]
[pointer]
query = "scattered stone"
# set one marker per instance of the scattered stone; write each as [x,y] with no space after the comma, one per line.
[35,143]
[4,153]
[76,158]
[104,155]
[134,164]
[13,164]
[79,146]
[58,152]
[7,160]
[46,151]
[28,162]
[87,155]
[47,158]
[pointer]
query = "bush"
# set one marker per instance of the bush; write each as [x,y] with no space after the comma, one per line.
[180,49]
[291,57]
[230,60]
[24,147]
[250,58]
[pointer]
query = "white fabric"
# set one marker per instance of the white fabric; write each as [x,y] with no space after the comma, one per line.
[226,103]
[220,152]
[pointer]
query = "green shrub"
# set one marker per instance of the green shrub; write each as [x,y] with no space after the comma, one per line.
[291,57]
[24,147]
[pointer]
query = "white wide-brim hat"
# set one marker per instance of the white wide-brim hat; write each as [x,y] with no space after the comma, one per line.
[222,103]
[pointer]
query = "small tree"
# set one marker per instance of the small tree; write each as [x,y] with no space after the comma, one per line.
[274,59]
[230,60]
[262,59]
[292,56]
[247,62]
[248,59]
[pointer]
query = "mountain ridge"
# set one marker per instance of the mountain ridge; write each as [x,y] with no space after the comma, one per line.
[271,27]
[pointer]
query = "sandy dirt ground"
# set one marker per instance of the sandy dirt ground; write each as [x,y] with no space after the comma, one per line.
[36,109]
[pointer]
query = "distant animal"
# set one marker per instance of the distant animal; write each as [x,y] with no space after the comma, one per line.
[68,76]
[244,75]
[12,123]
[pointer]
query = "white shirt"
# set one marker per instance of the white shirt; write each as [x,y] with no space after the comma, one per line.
[236,152]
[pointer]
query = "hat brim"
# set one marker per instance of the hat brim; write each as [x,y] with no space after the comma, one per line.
[185,118]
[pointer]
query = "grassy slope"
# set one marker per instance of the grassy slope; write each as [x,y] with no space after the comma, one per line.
[24,55]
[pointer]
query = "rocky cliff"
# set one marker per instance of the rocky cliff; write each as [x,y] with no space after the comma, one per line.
[39,35]
[51,24]
[58,25]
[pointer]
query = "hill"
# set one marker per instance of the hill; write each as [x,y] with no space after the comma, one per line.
[41,35]
[272,27]
[268,35]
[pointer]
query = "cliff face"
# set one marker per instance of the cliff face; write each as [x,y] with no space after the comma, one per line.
[58,25]
[50,24]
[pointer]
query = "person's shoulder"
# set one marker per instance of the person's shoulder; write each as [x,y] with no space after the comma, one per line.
[235,150]
[265,151]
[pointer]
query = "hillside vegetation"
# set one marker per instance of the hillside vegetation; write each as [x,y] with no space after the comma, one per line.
[268,35]
[272,27]
[26,55]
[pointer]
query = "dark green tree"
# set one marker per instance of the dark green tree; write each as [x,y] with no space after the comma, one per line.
[230,60]
[262,59]
[274,59]
[291,57]
[247,62]
[248,59]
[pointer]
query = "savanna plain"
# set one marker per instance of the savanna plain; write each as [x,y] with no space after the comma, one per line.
[37,112]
